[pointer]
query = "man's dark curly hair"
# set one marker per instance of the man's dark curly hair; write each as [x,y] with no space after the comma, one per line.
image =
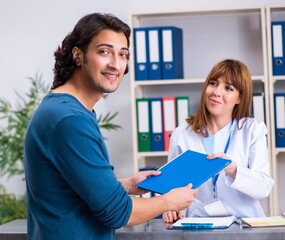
[84,31]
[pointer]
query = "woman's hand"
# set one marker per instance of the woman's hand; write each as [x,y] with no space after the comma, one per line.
[172,216]
[231,169]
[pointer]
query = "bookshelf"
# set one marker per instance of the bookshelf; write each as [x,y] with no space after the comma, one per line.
[276,84]
[209,35]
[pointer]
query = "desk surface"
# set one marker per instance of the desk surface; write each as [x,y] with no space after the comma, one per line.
[156,229]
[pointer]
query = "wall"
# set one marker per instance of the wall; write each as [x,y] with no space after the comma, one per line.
[31,30]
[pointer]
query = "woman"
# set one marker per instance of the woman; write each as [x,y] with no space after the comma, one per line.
[223,127]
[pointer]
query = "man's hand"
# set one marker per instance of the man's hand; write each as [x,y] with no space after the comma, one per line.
[130,183]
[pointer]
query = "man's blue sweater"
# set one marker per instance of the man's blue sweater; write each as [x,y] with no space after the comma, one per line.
[72,192]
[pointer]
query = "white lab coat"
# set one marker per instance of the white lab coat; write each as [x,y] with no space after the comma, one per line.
[248,148]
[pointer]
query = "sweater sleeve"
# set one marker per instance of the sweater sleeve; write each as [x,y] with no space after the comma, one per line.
[80,156]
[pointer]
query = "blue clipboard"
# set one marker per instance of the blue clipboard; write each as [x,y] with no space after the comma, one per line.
[188,167]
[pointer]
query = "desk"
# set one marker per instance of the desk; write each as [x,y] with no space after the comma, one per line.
[156,229]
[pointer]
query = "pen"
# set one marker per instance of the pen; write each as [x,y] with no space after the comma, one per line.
[197,225]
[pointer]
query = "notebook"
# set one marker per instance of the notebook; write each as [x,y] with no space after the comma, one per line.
[273,221]
[188,167]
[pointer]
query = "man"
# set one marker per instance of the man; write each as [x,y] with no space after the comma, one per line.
[72,192]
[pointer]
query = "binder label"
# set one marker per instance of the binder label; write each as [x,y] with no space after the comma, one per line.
[169,111]
[153,46]
[143,114]
[167,46]
[156,115]
[277,41]
[182,111]
[141,50]
[280,115]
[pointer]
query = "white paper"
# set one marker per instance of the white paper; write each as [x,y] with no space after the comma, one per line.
[216,209]
[218,222]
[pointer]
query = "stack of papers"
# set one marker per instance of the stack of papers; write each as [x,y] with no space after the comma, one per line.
[263,222]
[204,222]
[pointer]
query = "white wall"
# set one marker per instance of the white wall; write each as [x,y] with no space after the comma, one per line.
[31,30]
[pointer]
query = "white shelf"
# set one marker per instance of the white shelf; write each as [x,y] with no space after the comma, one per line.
[182,81]
[204,44]
[277,78]
[167,82]
[279,150]
[151,154]
[276,84]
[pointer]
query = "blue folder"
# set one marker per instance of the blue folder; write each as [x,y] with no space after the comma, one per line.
[154,53]
[278,47]
[279,112]
[141,54]
[188,167]
[172,52]
[156,124]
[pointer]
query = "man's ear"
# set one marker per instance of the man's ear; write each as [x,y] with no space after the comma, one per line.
[77,56]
